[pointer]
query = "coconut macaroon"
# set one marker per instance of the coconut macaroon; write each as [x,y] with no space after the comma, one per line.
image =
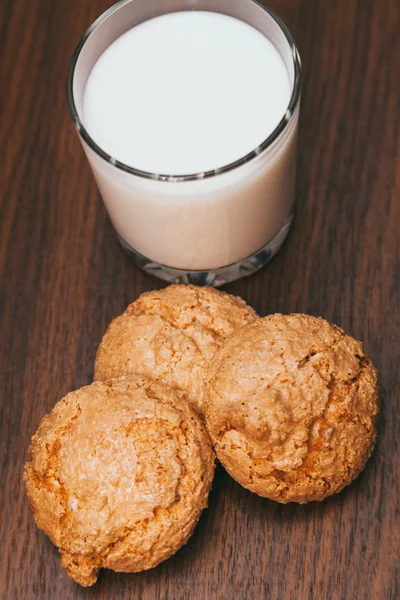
[291,405]
[170,334]
[119,476]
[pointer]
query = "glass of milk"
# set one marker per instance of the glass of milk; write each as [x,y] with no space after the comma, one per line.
[188,112]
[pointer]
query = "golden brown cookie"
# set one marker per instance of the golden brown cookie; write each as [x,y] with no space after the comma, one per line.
[120,473]
[170,334]
[205,314]
[291,405]
[150,346]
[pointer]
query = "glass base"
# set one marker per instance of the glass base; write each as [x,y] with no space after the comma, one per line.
[218,276]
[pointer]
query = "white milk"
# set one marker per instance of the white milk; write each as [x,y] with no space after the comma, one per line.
[186,93]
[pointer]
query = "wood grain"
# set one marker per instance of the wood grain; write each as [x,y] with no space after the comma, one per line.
[63,277]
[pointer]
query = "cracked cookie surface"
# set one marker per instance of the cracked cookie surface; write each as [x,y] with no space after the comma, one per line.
[119,476]
[206,315]
[291,405]
[170,335]
[148,345]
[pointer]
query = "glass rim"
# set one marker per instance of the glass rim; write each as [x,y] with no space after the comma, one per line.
[283,123]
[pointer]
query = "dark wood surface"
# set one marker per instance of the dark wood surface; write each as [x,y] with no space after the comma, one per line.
[63,277]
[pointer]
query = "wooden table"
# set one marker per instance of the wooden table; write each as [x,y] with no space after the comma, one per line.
[63,277]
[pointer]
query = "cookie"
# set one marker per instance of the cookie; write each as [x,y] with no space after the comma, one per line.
[152,347]
[169,335]
[119,476]
[205,314]
[291,405]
